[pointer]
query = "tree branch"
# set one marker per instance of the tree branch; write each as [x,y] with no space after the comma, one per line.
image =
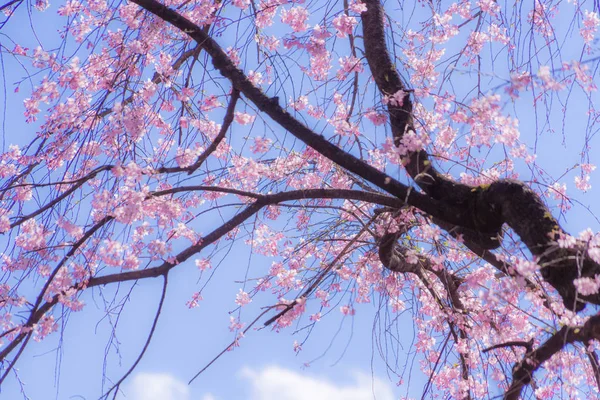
[523,371]
[271,107]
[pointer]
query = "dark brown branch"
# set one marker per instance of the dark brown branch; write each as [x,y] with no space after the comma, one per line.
[262,201]
[523,371]
[594,363]
[271,107]
[388,81]
[488,206]
[317,281]
[528,345]
[394,256]
[11,364]
[37,311]
[227,120]
[77,185]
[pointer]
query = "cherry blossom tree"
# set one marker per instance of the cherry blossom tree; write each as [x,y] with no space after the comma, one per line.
[372,151]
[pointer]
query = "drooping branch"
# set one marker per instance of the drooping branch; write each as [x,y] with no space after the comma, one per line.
[503,202]
[384,72]
[77,184]
[271,107]
[482,210]
[523,371]
[261,201]
[395,257]
[161,303]
[227,120]
[321,276]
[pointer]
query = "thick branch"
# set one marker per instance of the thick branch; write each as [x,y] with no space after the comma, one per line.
[39,310]
[389,82]
[271,107]
[523,372]
[489,207]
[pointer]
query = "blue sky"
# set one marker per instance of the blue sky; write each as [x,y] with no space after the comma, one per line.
[70,363]
[343,365]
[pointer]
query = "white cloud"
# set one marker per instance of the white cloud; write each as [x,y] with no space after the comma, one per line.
[276,383]
[156,386]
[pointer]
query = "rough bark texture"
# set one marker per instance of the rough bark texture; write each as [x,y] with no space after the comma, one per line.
[477,214]
[488,207]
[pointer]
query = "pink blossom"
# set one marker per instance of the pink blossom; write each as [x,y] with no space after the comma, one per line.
[31,109]
[288,318]
[4,220]
[397,305]
[21,51]
[242,298]
[519,82]
[475,44]
[348,65]
[186,157]
[243,4]
[272,212]
[591,22]
[195,300]
[243,118]
[111,252]
[540,16]
[396,99]
[320,64]
[158,249]
[266,11]
[296,18]
[315,317]
[299,104]
[203,264]
[23,193]
[582,75]
[525,267]
[347,310]
[42,5]
[566,241]
[588,168]
[255,77]
[270,43]
[544,392]
[70,228]
[583,182]
[210,103]
[586,235]
[344,25]
[587,286]
[233,55]
[375,117]
[130,261]
[44,327]
[357,6]
[489,6]
[32,236]
[235,324]
[261,145]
